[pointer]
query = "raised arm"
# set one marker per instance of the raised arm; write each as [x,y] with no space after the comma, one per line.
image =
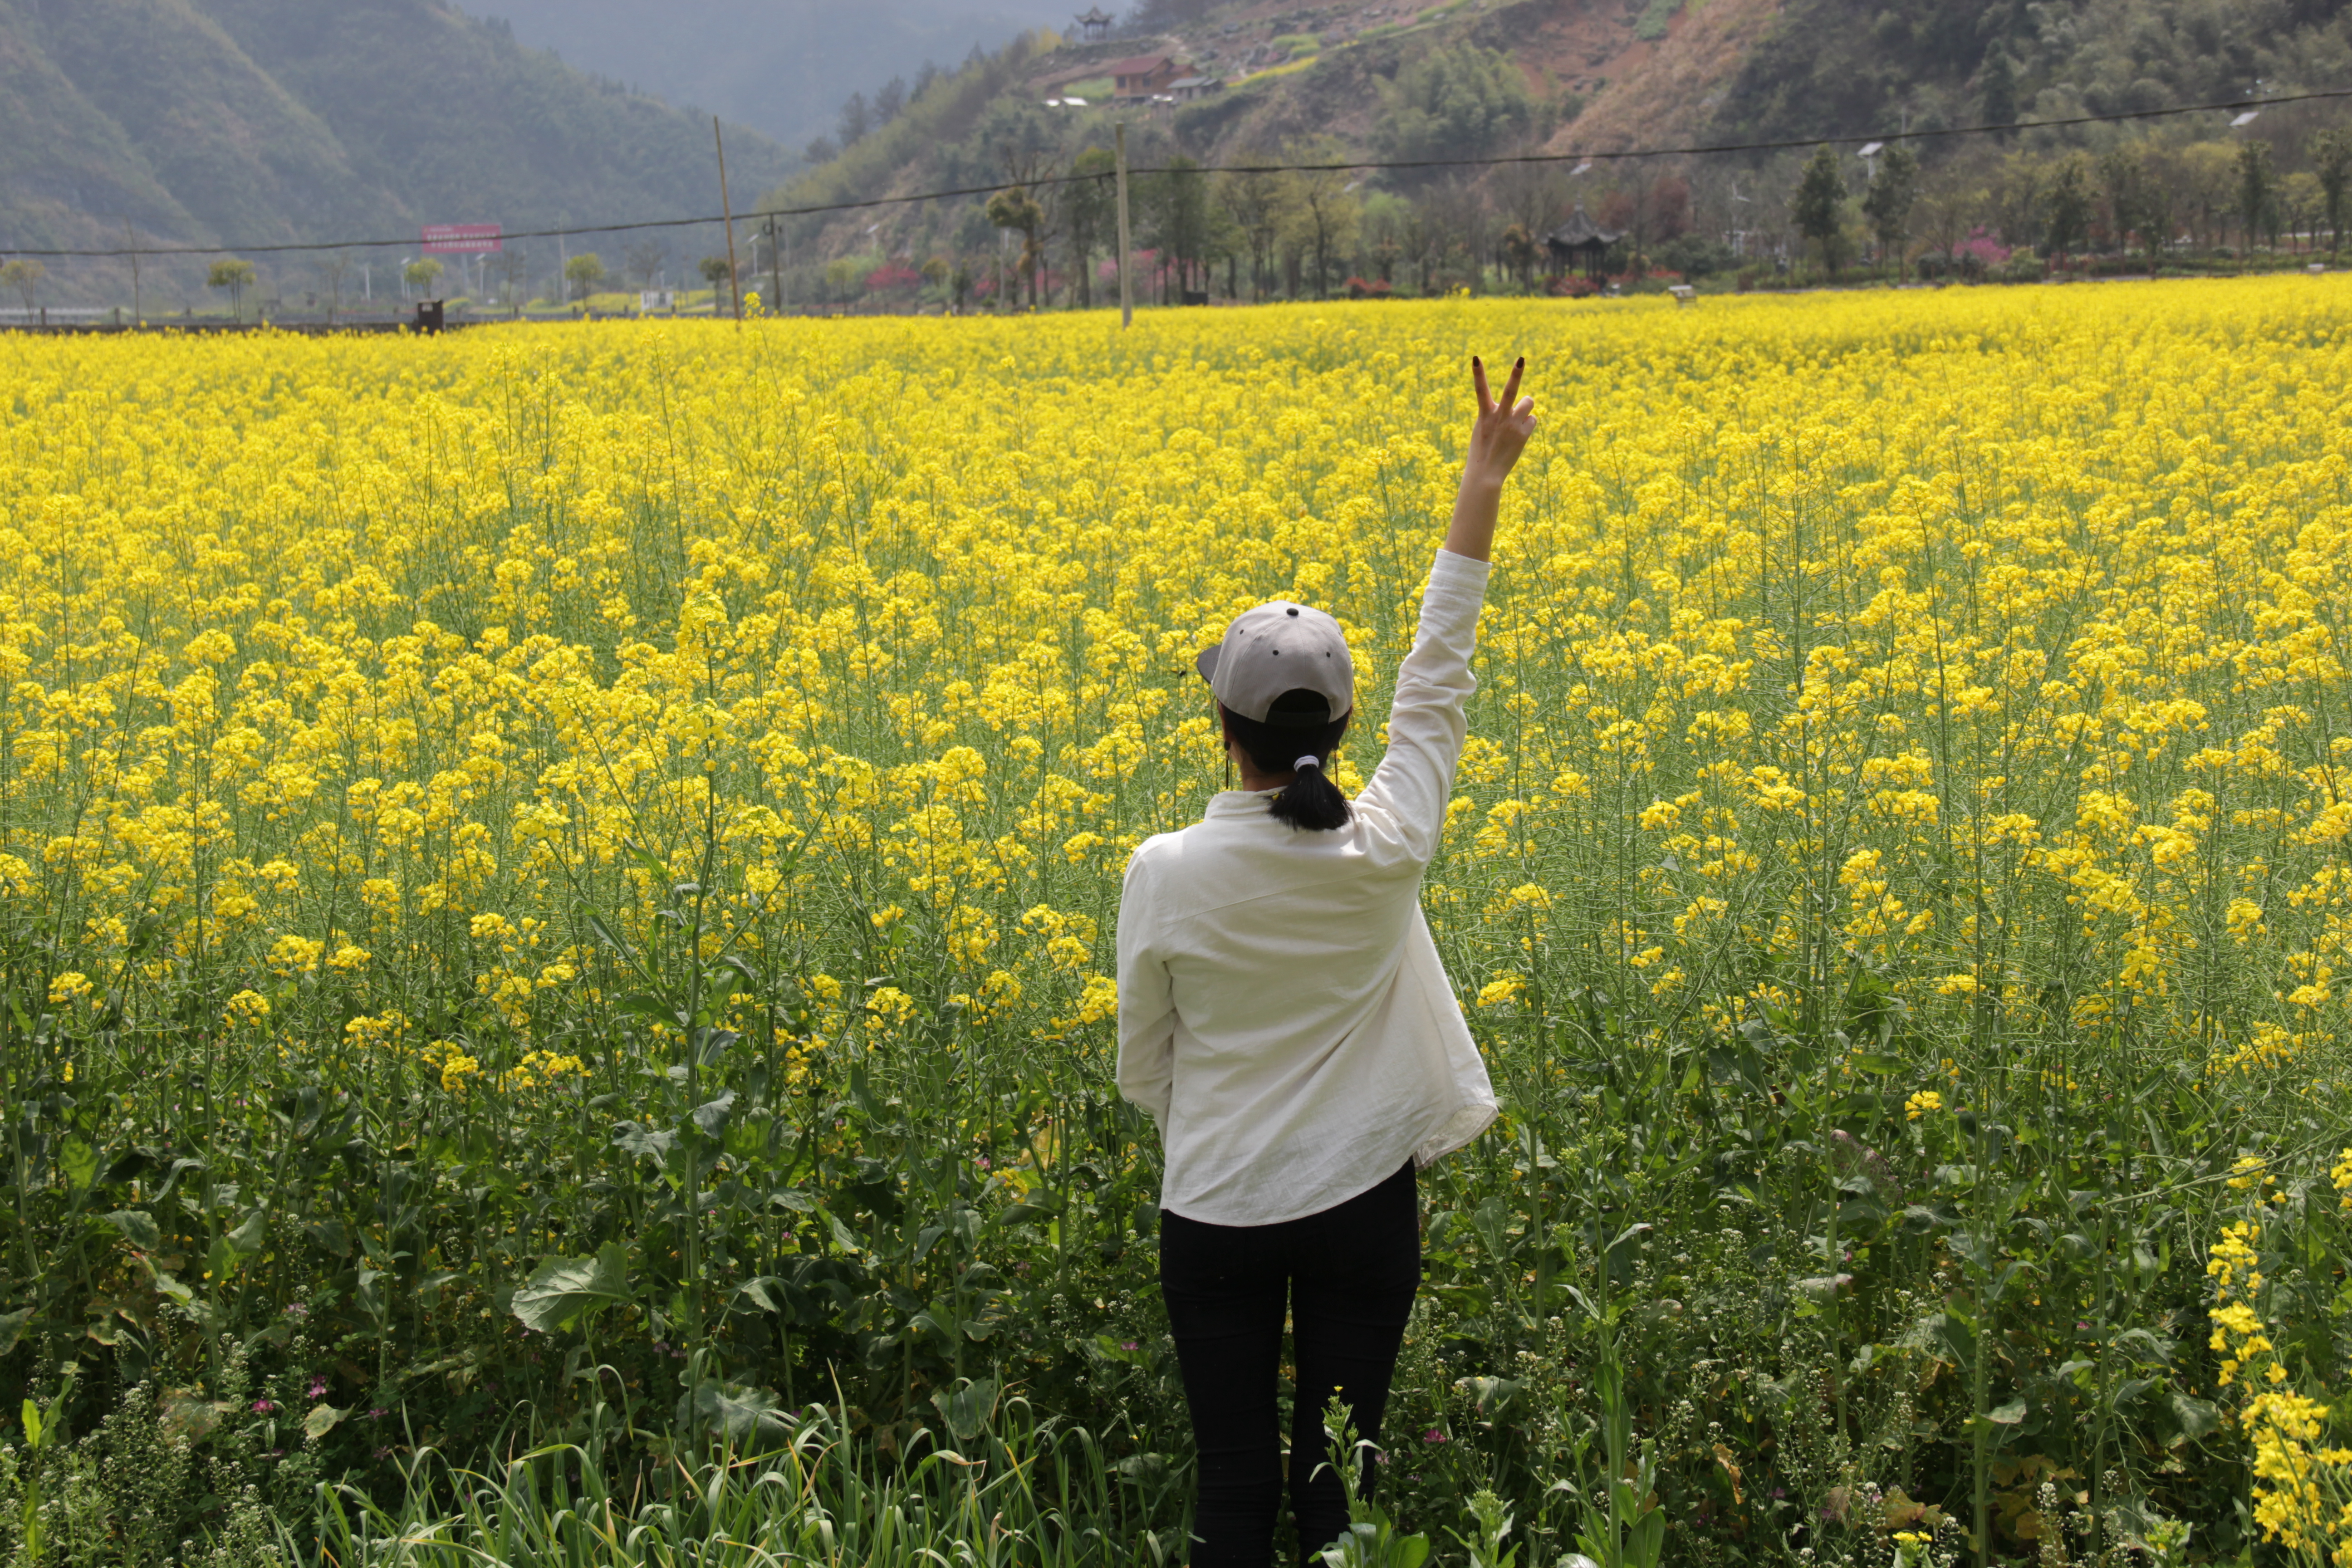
[1496,438]
[1403,805]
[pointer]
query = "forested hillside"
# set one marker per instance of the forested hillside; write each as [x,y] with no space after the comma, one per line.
[249,121]
[1853,66]
[1400,87]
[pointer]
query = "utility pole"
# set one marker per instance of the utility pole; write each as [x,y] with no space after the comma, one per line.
[1126,285]
[132,240]
[734,278]
[775,268]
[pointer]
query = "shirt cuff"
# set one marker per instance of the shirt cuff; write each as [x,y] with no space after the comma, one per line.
[1450,568]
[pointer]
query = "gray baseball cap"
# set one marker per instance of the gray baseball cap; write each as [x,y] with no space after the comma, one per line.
[1280,648]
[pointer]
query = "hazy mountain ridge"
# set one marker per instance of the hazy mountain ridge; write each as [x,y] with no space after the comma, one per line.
[783,67]
[257,122]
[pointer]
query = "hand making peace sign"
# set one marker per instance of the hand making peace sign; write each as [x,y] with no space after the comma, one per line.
[1503,427]
[1496,439]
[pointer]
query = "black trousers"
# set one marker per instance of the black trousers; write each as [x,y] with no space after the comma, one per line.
[1347,1278]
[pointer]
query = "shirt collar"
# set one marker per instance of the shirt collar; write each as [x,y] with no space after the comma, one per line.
[1238,802]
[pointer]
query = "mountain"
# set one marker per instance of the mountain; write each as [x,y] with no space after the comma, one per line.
[1850,66]
[248,122]
[1634,73]
[783,67]
[1421,81]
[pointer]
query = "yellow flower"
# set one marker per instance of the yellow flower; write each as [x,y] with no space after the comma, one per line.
[453,1068]
[291,955]
[70,988]
[367,1031]
[1495,992]
[540,1069]
[891,1006]
[1921,1103]
[1099,1001]
[246,1007]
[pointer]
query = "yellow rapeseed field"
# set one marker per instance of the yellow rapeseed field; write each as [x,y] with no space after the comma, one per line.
[1992,641]
[1953,685]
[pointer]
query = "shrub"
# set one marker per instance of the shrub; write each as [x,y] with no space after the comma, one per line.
[1452,102]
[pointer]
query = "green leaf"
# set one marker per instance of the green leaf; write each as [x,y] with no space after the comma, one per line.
[79,1160]
[633,1139]
[562,1291]
[321,1421]
[2199,1418]
[1628,1234]
[138,1229]
[2007,1415]
[1857,1215]
[12,1328]
[966,1410]
[843,1237]
[250,1236]
[1493,1395]
[767,1293]
[171,1178]
[718,983]
[1918,1219]
[712,1116]
[135,1162]
[741,1413]
[605,935]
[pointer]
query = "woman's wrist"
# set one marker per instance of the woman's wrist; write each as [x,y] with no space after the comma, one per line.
[1472,531]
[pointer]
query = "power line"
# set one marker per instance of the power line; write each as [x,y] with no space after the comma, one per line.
[1499,159]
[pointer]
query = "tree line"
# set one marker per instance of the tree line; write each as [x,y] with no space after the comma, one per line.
[1995,210]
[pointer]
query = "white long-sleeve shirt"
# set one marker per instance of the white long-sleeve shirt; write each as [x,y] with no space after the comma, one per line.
[1282,1012]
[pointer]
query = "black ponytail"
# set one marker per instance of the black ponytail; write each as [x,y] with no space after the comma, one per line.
[1292,741]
